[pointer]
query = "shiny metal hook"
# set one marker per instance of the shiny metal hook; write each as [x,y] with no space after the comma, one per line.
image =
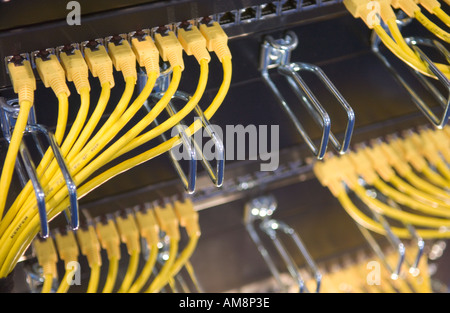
[261,209]
[438,121]
[414,267]
[73,214]
[271,227]
[277,54]
[216,175]
[9,111]
[257,209]
[188,180]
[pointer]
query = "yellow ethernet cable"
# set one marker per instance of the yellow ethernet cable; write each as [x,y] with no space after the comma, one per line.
[76,70]
[24,84]
[149,230]
[381,164]
[110,240]
[428,149]
[216,42]
[406,150]
[172,53]
[361,9]
[188,218]
[349,176]
[129,234]
[363,167]
[139,101]
[53,76]
[405,171]
[413,10]
[434,7]
[433,28]
[193,43]
[90,247]
[13,246]
[47,258]
[444,17]
[100,65]
[168,222]
[68,252]
[334,182]
[440,141]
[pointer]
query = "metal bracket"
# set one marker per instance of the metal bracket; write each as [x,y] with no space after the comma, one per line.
[24,163]
[194,150]
[271,227]
[262,209]
[277,54]
[414,42]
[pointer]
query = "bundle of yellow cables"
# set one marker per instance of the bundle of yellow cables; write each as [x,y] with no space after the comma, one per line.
[370,11]
[412,172]
[86,151]
[128,227]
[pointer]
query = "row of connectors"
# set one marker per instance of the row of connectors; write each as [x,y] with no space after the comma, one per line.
[225,19]
[100,43]
[267,10]
[151,222]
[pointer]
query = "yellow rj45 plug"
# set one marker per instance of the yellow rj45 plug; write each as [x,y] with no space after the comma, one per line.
[122,56]
[146,52]
[22,78]
[193,42]
[75,66]
[51,72]
[99,62]
[149,230]
[168,221]
[47,258]
[90,247]
[407,6]
[169,47]
[89,244]
[128,230]
[188,217]
[109,237]
[68,252]
[216,39]
[129,234]
[67,246]
[148,226]
[110,241]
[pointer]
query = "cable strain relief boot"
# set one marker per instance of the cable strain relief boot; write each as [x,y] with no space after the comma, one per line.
[151,64]
[59,86]
[129,71]
[105,75]
[49,269]
[223,51]
[200,52]
[26,93]
[93,256]
[80,81]
[176,59]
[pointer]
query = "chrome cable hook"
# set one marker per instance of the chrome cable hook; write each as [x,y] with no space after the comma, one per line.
[72,214]
[438,121]
[261,209]
[24,164]
[277,54]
